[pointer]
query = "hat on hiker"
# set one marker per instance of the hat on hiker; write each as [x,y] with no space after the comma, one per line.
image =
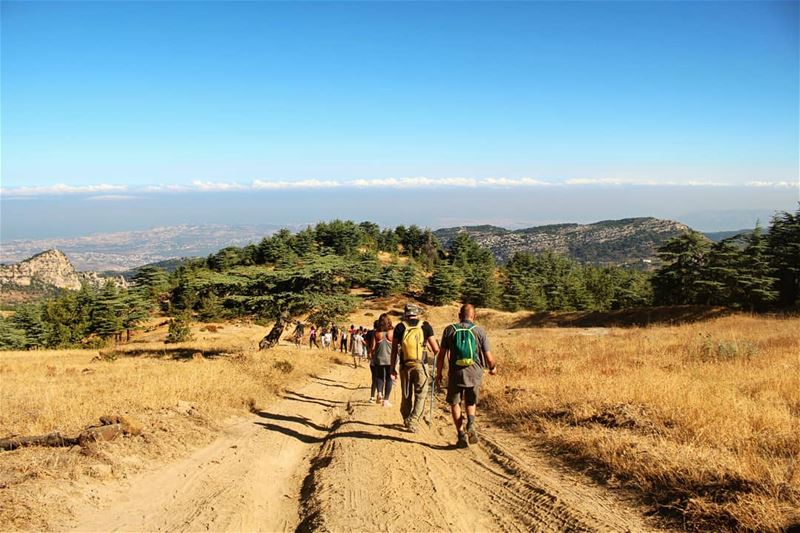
[411,310]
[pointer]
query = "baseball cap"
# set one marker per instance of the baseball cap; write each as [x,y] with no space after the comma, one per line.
[411,310]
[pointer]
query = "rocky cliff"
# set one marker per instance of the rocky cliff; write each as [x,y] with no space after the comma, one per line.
[626,241]
[50,269]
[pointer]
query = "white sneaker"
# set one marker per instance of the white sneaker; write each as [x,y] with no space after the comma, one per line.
[372,399]
[386,403]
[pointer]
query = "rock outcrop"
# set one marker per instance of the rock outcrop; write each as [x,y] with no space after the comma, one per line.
[50,268]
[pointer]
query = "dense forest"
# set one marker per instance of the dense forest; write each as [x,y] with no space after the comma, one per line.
[312,274]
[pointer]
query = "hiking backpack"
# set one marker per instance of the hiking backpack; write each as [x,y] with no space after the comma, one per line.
[413,344]
[465,345]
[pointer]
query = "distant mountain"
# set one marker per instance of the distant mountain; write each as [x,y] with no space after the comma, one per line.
[46,273]
[717,236]
[125,250]
[627,241]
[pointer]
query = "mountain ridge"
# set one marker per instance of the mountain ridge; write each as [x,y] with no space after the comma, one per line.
[624,241]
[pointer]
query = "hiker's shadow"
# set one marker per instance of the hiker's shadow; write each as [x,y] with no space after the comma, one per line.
[288,418]
[298,397]
[355,434]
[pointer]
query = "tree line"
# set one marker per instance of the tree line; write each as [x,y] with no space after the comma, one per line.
[313,272]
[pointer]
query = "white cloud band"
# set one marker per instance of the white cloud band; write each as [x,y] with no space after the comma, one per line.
[110,191]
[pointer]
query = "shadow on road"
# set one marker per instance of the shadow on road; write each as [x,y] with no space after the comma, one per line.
[309,439]
[288,418]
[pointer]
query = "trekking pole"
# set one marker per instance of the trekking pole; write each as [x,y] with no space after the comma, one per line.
[433,393]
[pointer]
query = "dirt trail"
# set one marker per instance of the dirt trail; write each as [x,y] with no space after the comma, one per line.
[323,459]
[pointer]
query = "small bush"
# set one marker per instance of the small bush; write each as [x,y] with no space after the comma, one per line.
[179,329]
[283,366]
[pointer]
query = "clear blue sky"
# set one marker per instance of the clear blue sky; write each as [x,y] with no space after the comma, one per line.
[168,93]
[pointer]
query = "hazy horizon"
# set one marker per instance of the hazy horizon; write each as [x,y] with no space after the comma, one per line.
[703,208]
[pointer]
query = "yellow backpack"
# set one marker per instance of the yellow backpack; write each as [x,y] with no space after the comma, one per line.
[413,344]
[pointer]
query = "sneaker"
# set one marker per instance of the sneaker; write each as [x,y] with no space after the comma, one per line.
[371,399]
[386,403]
[462,441]
[412,428]
[472,435]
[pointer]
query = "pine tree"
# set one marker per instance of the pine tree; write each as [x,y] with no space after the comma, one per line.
[755,275]
[28,318]
[684,259]
[152,280]
[107,316]
[443,286]
[387,282]
[783,242]
[136,309]
[11,336]
[480,285]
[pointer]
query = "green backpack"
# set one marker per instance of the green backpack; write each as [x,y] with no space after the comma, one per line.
[465,345]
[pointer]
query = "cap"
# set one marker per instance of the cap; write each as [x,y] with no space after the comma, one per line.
[411,310]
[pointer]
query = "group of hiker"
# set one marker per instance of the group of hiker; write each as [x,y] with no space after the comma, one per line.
[409,350]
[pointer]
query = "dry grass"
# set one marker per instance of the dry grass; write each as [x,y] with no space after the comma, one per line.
[703,420]
[181,394]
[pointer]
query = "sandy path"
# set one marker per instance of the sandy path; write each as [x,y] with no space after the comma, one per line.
[323,459]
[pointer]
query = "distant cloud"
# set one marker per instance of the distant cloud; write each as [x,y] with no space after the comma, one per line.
[777,184]
[112,191]
[59,189]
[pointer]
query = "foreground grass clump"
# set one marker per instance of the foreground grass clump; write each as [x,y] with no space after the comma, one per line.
[219,374]
[703,420]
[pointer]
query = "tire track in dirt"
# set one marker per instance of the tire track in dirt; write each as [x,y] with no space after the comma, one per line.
[370,475]
[323,459]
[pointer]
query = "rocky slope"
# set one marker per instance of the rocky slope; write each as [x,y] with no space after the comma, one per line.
[47,270]
[626,241]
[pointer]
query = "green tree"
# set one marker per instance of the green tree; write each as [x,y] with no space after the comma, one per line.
[11,336]
[387,282]
[108,311]
[443,287]
[179,328]
[684,258]
[152,280]
[28,318]
[783,243]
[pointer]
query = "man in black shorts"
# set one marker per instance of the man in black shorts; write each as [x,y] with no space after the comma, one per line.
[466,347]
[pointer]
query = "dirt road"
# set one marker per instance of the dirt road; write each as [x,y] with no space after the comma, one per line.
[323,459]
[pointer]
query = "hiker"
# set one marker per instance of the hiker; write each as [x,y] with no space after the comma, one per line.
[312,337]
[356,343]
[466,347]
[297,336]
[343,346]
[334,336]
[410,339]
[352,332]
[380,359]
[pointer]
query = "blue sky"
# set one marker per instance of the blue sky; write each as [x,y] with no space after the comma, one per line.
[120,99]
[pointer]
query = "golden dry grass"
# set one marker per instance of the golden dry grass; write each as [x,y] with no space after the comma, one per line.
[703,420]
[179,396]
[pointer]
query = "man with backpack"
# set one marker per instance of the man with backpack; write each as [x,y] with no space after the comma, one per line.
[411,340]
[466,347]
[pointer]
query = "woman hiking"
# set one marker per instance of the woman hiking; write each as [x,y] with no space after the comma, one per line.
[380,359]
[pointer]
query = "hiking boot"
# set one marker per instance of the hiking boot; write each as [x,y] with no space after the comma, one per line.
[462,441]
[472,435]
